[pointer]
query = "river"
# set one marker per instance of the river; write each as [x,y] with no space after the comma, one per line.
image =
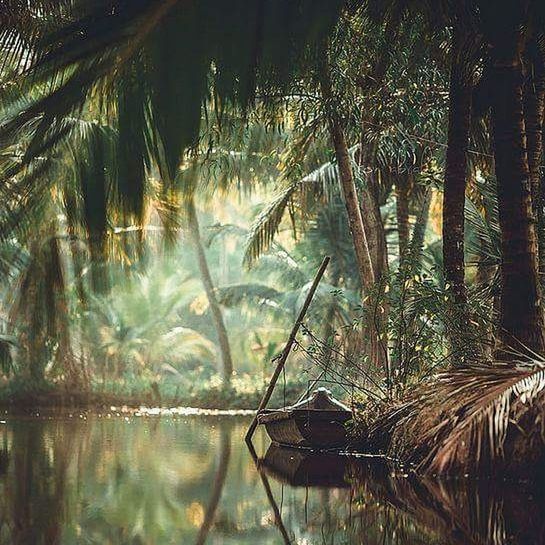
[114,478]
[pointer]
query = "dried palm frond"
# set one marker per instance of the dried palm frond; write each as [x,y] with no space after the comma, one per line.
[481,416]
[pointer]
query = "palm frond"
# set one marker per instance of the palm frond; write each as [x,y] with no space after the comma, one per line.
[220,231]
[267,225]
[282,266]
[98,45]
[237,294]
[483,239]
[318,186]
[186,345]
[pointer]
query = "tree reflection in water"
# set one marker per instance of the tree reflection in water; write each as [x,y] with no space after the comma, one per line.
[135,481]
[217,489]
[34,490]
[460,511]
[407,509]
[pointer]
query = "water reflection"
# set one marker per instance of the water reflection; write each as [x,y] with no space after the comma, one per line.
[159,481]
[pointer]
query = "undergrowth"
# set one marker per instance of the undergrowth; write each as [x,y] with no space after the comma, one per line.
[244,392]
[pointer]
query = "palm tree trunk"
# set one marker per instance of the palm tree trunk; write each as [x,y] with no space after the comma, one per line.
[540,218]
[456,176]
[520,316]
[459,122]
[534,111]
[206,278]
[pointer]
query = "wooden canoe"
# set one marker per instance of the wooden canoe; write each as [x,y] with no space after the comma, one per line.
[318,422]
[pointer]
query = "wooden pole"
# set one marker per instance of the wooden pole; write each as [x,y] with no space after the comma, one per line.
[285,353]
[266,485]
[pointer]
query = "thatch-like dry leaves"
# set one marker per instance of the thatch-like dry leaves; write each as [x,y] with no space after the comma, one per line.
[482,416]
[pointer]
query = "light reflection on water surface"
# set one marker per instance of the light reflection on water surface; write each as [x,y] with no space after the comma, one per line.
[191,480]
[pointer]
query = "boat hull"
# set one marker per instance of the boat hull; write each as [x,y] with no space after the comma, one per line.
[314,429]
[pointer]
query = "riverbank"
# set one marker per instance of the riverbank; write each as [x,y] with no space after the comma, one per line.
[479,420]
[243,393]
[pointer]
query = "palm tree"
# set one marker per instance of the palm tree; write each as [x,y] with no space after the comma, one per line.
[521,321]
[456,168]
[208,284]
[534,113]
[346,176]
[239,157]
[137,327]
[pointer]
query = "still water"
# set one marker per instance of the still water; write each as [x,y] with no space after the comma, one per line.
[106,479]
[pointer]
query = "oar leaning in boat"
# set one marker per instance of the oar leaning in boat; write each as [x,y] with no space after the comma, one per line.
[285,353]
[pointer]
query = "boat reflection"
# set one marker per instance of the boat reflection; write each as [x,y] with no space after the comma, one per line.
[406,508]
[298,467]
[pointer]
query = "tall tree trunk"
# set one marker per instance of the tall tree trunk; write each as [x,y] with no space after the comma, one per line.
[351,201]
[372,218]
[534,111]
[459,121]
[378,250]
[370,195]
[540,218]
[456,173]
[364,258]
[206,278]
[521,322]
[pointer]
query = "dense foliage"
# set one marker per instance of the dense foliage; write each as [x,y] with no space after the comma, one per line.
[172,173]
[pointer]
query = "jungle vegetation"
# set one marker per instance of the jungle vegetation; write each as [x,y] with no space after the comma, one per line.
[172,173]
